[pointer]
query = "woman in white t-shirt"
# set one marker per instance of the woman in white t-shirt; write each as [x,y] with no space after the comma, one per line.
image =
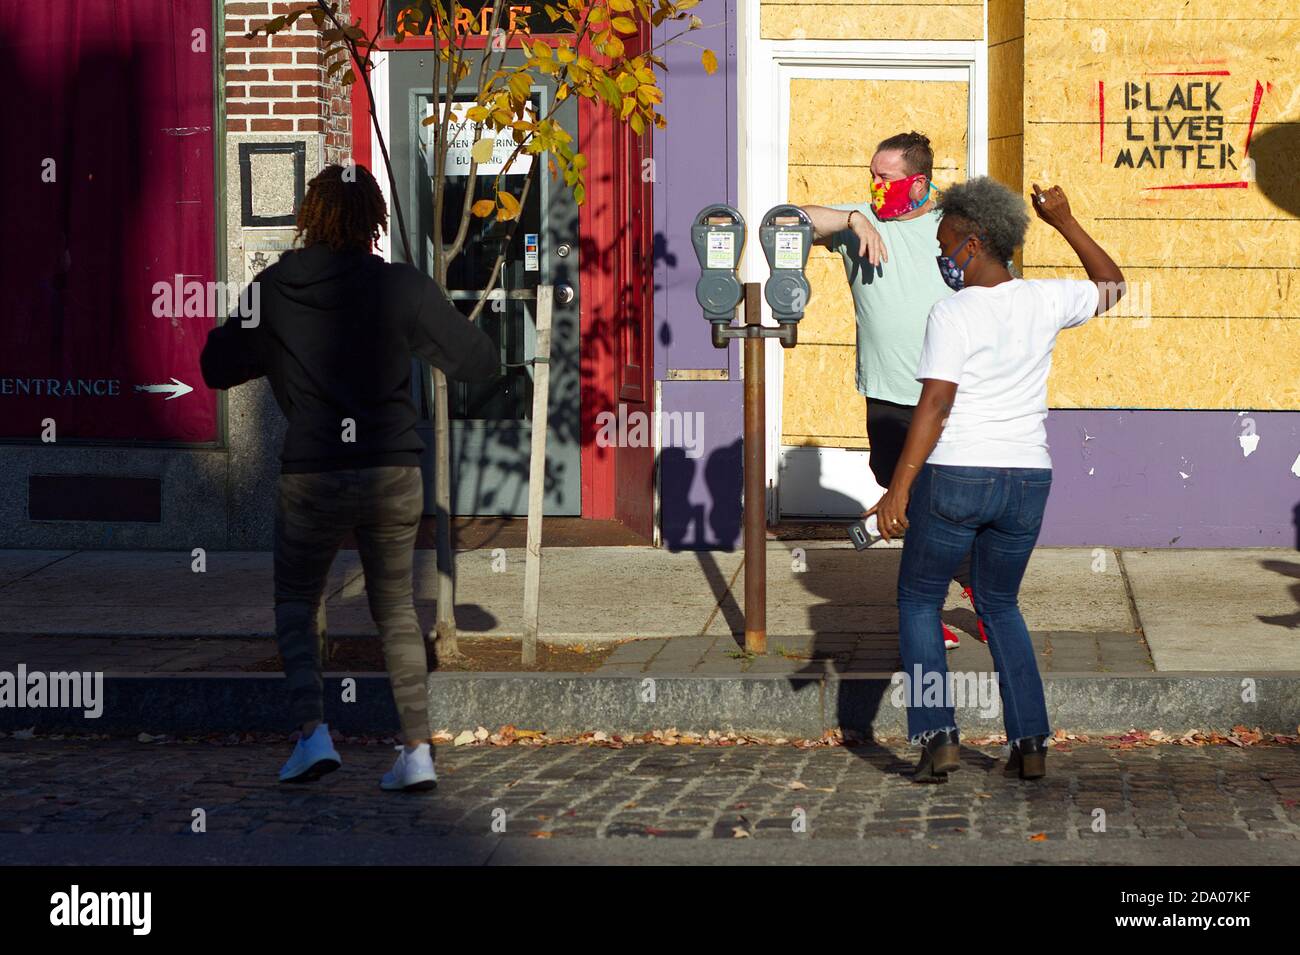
[974,474]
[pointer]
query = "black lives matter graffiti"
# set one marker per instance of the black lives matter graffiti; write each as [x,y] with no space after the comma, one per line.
[1174,126]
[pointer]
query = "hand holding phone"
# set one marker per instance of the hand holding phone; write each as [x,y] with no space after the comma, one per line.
[864,533]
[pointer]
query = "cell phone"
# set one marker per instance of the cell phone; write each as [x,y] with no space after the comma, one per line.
[864,533]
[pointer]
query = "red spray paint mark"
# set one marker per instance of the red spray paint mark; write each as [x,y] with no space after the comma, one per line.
[1193,73]
[1101,118]
[1254,111]
[1204,185]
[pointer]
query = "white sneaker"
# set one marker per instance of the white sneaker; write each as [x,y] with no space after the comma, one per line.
[412,771]
[312,758]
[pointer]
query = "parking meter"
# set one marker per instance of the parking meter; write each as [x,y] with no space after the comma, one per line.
[718,235]
[786,236]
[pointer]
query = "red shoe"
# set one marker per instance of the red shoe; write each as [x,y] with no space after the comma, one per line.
[983,637]
[950,640]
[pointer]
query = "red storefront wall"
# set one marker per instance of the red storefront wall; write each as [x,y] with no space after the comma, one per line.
[108,166]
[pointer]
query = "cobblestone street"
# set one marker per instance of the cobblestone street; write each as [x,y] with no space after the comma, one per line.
[652,792]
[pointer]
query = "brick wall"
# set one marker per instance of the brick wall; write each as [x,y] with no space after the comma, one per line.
[277,84]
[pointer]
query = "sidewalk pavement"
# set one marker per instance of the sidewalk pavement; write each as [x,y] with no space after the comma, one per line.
[1095,610]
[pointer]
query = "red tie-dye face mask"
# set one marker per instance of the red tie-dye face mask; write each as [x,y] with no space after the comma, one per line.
[891,199]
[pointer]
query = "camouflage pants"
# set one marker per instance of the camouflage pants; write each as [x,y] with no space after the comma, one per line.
[382,507]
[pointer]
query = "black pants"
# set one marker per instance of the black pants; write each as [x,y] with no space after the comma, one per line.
[887,425]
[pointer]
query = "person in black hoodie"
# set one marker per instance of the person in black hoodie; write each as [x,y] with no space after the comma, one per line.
[334,332]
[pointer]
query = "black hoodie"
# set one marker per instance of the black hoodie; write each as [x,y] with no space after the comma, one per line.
[334,334]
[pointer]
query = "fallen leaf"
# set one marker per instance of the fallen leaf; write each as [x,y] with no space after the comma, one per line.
[795,784]
[1038,837]
[540,834]
[464,738]
[739,832]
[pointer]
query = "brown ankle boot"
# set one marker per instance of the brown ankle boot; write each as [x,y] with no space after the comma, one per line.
[1028,758]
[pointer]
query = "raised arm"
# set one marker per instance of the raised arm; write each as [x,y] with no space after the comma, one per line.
[827,222]
[1054,209]
[446,339]
[234,353]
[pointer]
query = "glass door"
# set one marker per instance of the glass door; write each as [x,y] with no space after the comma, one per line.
[491,422]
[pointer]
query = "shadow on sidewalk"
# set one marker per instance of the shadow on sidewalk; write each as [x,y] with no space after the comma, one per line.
[1288,569]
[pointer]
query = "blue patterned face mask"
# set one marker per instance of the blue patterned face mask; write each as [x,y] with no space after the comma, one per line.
[954,274]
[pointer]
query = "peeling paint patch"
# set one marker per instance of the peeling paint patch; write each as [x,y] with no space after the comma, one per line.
[1249,442]
[1295,468]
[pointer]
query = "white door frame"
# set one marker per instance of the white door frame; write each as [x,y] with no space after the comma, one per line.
[764,71]
[379,89]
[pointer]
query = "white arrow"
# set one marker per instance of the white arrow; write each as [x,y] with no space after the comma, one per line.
[177,388]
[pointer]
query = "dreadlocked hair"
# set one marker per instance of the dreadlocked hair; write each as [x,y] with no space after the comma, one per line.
[343,208]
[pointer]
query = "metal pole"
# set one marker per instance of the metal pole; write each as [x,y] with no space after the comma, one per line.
[755,481]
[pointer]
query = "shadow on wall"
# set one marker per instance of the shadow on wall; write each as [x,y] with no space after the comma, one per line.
[706,527]
[709,526]
[1274,150]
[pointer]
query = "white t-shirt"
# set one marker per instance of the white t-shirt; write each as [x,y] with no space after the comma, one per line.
[996,344]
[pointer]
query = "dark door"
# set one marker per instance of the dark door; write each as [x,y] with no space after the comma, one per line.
[491,423]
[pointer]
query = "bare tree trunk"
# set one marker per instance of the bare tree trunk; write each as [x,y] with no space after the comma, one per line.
[445,637]
[446,642]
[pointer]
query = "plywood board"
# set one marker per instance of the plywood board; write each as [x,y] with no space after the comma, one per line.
[1006,20]
[840,121]
[829,317]
[1168,11]
[1137,241]
[1006,88]
[1214,265]
[1197,293]
[821,405]
[866,20]
[835,125]
[1006,161]
[1177,363]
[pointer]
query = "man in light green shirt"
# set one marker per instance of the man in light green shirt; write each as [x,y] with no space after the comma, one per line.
[890,251]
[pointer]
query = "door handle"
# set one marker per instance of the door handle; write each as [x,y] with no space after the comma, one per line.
[564,294]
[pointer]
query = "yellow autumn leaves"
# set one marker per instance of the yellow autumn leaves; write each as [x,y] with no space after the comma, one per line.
[591,61]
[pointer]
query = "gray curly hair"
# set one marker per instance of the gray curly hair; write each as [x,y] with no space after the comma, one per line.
[988,209]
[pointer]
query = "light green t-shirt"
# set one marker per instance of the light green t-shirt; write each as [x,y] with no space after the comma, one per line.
[892,301]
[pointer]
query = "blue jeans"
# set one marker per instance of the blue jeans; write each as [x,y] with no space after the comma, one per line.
[994,515]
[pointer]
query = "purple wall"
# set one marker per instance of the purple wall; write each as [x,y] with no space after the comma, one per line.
[695,166]
[1118,479]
